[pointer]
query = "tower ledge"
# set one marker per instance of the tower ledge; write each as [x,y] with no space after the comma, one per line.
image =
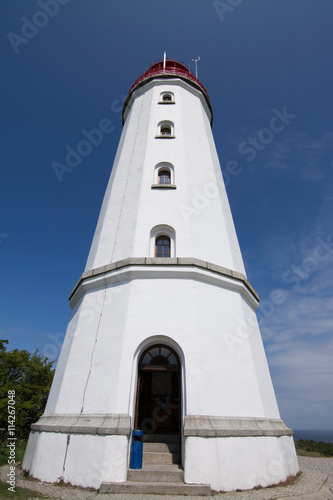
[194,425]
[235,279]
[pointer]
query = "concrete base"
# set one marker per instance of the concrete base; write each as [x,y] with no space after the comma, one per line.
[156,488]
[224,453]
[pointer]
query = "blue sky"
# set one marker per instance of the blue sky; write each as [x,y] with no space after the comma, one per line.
[259,58]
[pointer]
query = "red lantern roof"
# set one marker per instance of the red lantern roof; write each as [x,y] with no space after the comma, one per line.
[169,69]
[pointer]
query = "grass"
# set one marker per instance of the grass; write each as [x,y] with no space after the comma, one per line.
[20,493]
[19,451]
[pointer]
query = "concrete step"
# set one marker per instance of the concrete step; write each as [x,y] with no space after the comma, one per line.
[156,473]
[152,457]
[156,488]
[161,438]
[164,447]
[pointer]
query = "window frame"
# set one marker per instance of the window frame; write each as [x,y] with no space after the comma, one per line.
[160,167]
[164,172]
[165,124]
[162,230]
[174,366]
[164,237]
[165,129]
[166,93]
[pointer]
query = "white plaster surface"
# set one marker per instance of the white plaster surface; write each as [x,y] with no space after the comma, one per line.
[239,463]
[44,456]
[86,461]
[131,208]
[226,372]
[102,459]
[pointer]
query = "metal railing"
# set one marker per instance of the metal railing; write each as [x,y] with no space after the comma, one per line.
[168,71]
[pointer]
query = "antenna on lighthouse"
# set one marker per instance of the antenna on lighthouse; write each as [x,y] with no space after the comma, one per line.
[164,60]
[196,66]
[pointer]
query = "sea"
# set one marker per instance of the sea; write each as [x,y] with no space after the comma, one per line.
[315,435]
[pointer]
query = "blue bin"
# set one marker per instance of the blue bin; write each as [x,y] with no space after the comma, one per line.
[136,454]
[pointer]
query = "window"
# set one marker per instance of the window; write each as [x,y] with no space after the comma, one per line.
[167,98]
[164,177]
[166,130]
[162,241]
[162,246]
[159,355]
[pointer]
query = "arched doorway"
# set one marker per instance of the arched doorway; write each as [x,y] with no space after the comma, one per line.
[158,401]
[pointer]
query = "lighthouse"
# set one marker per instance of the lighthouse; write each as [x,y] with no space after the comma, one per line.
[163,345]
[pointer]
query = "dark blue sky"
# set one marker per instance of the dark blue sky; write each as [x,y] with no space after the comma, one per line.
[259,58]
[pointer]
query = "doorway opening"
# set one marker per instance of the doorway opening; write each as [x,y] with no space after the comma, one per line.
[158,402]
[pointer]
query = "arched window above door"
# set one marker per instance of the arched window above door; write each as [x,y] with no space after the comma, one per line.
[159,356]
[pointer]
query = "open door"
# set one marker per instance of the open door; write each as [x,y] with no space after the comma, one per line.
[158,395]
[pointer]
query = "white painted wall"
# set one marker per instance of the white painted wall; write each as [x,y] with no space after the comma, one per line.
[131,208]
[86,461]
[226,369]
[239,462]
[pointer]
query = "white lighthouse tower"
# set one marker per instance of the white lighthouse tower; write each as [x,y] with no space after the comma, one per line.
[163,336]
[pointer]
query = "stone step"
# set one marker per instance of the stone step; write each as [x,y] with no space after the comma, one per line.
[156,473]
[161,438]
[152,457]
[156,488]
[164,447]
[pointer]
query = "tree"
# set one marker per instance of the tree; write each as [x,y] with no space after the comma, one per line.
[30,376]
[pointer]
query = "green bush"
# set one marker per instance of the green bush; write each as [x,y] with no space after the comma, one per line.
[19,451]
[30,376]
[325,449]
